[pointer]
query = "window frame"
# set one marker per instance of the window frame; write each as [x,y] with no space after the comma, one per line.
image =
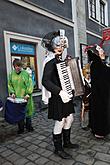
[93,9]
[98,12]
[102,12]
[9,36]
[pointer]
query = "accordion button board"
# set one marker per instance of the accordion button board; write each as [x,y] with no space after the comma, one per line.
[65,78]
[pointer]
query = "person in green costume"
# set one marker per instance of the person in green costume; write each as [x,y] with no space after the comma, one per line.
[20,86]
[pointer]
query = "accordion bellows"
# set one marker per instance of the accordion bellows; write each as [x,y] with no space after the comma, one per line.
[76,76]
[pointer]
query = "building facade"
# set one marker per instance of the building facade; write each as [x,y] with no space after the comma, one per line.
[25,22]
[23,25]
[97,20]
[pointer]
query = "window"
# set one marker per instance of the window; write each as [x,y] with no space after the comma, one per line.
[102,12]
[93,8]
[29,50]
[84,56]
[98,11]
[26,53]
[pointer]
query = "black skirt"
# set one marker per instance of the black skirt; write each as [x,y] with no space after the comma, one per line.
[58,110]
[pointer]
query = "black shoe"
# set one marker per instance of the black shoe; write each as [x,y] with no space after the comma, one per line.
[20,131]
[70,145]
[99,137]
[31,129]
[63,154]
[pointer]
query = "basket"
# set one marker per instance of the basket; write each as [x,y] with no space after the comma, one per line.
[14,111]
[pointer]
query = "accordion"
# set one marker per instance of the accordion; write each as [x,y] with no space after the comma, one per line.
[70,77]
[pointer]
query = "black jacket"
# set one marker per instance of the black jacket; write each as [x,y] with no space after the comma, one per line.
[50,80]
[100,96]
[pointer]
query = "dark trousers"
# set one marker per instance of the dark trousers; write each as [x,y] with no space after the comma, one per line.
[22,124]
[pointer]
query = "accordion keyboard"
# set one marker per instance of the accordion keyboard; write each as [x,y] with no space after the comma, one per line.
[65,78]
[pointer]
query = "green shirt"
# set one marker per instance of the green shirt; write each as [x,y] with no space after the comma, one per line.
[21,85]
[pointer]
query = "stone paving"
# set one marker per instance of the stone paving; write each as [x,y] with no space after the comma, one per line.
[36,148]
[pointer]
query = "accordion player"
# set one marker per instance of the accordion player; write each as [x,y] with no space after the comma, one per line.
[60,103]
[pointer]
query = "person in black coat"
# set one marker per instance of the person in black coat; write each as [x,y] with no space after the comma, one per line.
[60,106]
[99,117]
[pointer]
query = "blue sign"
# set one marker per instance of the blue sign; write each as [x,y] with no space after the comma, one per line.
[21,48]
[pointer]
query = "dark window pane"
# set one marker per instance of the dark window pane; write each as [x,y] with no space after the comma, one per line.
[102,12]
[93,8]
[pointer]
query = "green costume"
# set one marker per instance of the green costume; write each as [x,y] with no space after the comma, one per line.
[21,85]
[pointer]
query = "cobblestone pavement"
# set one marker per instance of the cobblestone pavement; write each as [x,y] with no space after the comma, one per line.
[36,148]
